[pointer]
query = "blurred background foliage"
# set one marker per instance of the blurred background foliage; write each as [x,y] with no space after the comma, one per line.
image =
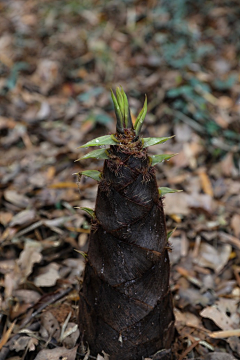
[183,54]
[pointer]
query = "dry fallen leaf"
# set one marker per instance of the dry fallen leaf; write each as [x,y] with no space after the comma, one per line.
[17,199]
[186,319]
[5,217]
[213,258]
[29,256]
[219,356]
[70,341]
[57,353]
[223,313]
[20,344]
[48,275]
[176,204]
[23,218]
[27,296]
[49,326]
[205,182]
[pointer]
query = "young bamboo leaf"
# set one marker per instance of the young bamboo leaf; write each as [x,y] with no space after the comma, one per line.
[120,100]
[119,115]
[88,211]
[170,232]
[141,117]
[102,140]
[155,159]
[126,113]
[84,254]
[165,190]
[97,154]
[93,174]
[155,141]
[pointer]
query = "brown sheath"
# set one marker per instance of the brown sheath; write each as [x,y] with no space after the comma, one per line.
[125,303]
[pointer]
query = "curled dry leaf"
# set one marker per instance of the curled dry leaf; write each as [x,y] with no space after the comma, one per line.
[223,313]
[200,201]
[29,256]
[48,275]
[27,296]
[17,199]
[213,258]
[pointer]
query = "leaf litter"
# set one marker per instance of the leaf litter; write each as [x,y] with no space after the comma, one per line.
[57,61]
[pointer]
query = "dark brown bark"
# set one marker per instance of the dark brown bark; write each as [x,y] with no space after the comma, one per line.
[125,303]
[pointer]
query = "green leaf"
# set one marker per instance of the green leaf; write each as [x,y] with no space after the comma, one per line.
[93,174]
[154,141]
[165,190]
[97,154]
[169,233]
[102,140]
[120,100]
[125,108]
[84,254]
[88,211]
[155,159]
[119,115]
[141,117]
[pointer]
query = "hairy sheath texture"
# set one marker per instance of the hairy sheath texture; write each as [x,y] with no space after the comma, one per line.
[125,302]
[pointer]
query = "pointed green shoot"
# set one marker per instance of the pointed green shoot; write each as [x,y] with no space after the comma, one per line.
[155,159]
[170,232]
[84,254]
[126,111]
[96,154]
[89,211]
[100,141]
[93,174]
[120,100]
[118,112]
[141,116]
[165,190]
[154,141]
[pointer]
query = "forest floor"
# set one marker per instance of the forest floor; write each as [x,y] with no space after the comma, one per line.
[58,60]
